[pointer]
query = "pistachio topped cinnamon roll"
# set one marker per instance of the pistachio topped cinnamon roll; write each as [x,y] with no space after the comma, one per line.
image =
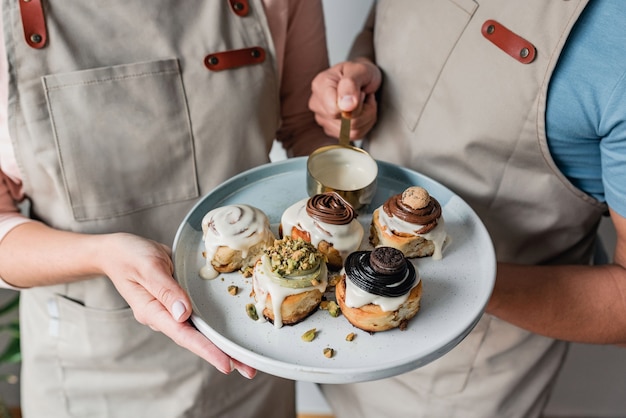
[289,281]
[412,222]
[328,222]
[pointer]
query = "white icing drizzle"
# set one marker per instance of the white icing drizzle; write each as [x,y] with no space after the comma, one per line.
[263,285]
[357,297]
[437,235]
[344,238]
[239,227]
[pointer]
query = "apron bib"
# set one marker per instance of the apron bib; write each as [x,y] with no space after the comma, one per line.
[121,117]
[468,109]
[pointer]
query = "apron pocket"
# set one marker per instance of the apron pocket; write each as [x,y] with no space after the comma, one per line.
[123,136]
[106,358]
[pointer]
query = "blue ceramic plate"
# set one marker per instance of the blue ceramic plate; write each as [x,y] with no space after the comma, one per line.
[456,288]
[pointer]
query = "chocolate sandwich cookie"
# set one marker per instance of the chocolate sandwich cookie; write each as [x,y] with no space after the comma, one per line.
[383,272]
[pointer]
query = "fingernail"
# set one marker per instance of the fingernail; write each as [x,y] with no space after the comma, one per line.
[346,103]
[247,376]
[178,309]
[230,368]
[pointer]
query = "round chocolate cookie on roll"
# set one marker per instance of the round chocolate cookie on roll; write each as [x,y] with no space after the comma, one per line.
[412,222]
[328,222]
[379,290]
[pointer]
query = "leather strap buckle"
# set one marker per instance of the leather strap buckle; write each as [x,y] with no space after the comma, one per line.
[34,23]
[236,58]
[511,43]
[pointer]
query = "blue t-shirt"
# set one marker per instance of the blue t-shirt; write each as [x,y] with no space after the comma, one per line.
[586,108]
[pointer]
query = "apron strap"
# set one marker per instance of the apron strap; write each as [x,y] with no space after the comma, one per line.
[237,58]
[34,23]
[511,43]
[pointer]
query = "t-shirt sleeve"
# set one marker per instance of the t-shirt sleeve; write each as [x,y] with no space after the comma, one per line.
[613,149]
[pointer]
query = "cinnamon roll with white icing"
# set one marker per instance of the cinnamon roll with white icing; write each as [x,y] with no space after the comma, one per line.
[234,238]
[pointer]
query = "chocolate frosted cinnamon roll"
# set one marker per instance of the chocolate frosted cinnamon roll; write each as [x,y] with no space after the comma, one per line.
[425,216]
[328,222]
[379,290]
[330,208]
[234,238]
[412,222]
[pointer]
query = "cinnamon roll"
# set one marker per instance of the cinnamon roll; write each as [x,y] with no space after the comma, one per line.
[328,222]
[380,290]
[234,238]
[289,281]
[412,222]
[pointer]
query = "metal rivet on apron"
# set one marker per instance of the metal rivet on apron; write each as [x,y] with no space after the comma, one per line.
[491,29]
[35,37]
[524,52]
[238,6]
[213,60]
[255,53]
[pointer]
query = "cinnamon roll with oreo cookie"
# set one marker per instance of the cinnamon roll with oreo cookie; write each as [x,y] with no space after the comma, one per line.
[234,238]
[412,222]
[380,290]
[328,222]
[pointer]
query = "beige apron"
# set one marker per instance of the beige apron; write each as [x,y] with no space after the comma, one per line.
[456,106]
[122,114]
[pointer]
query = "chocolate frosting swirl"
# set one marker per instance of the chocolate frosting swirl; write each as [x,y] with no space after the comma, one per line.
[387,274]
[426,216]
[330,208]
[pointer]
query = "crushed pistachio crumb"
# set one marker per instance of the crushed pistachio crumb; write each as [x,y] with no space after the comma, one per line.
[333,279]
[288,256]
[350,337]
[233,289]
[333,309]
[329,352]
[309,335]
[247,271]
[251,311]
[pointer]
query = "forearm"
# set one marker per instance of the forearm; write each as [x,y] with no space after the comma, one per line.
[304,57]
[573,303]
[34,254]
